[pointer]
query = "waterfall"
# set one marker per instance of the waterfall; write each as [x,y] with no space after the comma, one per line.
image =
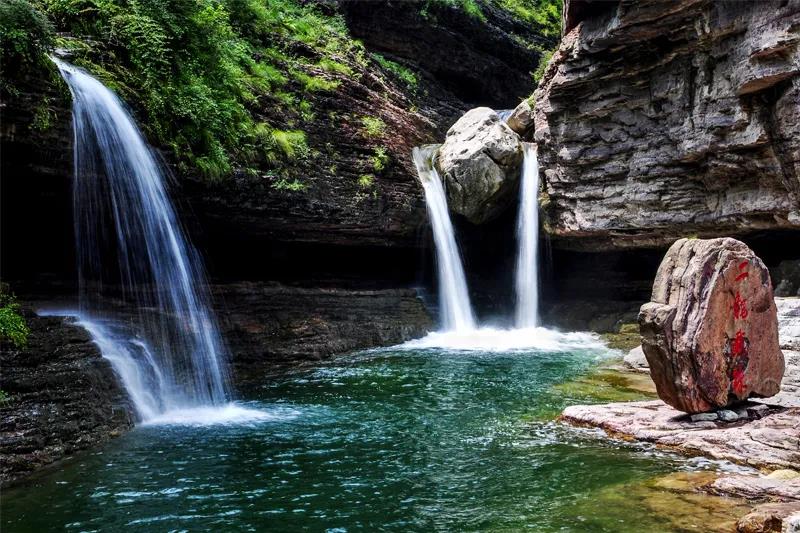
[504,114]
[527,280]
[456,310]
[131,248]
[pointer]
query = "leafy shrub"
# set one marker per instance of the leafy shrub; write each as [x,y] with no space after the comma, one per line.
[12,325]
[543,60]
[544,14]
[25,37]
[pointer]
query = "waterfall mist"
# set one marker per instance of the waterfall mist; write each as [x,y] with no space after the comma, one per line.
[131,250]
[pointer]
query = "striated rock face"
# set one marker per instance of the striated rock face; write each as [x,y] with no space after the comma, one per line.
[479,163]
[655,120]
[63,397]
[268,323]
[710,333]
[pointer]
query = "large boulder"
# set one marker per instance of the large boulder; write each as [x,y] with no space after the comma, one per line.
[710,333]
[480,164]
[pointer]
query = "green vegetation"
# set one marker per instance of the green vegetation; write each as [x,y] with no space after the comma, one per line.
[544,14]
[287,185]
[543,60]
[365,181]
[197,72]
[25,36]
[380,158]
[402,73]
[4,397]
[12,325]
[373,126]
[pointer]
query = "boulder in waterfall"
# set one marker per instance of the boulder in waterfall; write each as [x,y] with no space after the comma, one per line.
[480,164]
[710,333]
[521,119]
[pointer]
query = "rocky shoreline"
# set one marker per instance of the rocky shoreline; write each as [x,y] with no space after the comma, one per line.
[763,434]
[62,397]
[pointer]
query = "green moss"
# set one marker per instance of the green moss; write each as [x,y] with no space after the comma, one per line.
[544,59]
[396,69]
[316,83]
[13,328]
[43,116]
[289,185]
[627,338]
[373,127]
[292,144]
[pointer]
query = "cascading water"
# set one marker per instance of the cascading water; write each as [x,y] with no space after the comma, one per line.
[527,275]
[169,354]
[456,309]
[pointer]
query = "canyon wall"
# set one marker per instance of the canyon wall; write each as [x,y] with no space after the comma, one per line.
[662,120]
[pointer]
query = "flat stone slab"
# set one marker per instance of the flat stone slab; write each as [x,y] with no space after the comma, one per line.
[771,442]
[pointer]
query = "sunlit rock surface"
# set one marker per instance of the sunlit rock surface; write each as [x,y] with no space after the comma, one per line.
[710,331]
[656,120]
[480,163]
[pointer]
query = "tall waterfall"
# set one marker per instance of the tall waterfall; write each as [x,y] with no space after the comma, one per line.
[527,275]
[130,247]
[456,309]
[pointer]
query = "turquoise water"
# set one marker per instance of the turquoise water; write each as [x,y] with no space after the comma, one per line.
[392,440]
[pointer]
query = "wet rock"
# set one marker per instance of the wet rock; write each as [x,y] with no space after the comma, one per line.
[710,333]
[704,417]
[770,442]
[656,119]
[726,415]
[266,324]
[63,397]
[768,517]
[480,164]
[788,322]
[521,119]
[787,278]
[635,360]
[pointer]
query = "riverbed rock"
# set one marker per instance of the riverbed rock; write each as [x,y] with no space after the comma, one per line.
[480,164]
[788,322]
[767,518]
[63,396]
[656,120]
[710,331]
[635,360]
[771,442]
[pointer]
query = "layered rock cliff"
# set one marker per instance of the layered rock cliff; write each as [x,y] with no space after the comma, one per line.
[61,397]
[659,120]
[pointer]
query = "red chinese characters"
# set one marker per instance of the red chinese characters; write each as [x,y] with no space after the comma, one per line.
[739,345]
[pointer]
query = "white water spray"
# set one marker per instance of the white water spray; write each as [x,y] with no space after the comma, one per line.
[456,309]
[170,355]
[527,275]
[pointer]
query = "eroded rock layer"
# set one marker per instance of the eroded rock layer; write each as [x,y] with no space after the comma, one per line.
[656,120]
[62,396]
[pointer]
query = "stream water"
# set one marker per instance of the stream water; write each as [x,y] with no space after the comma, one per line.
[403,439]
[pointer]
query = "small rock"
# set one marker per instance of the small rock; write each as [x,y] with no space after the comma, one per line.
[757,411]
[704,417]
[784,474]
[768,517]
[726,415]
[793,523]
[635,360]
